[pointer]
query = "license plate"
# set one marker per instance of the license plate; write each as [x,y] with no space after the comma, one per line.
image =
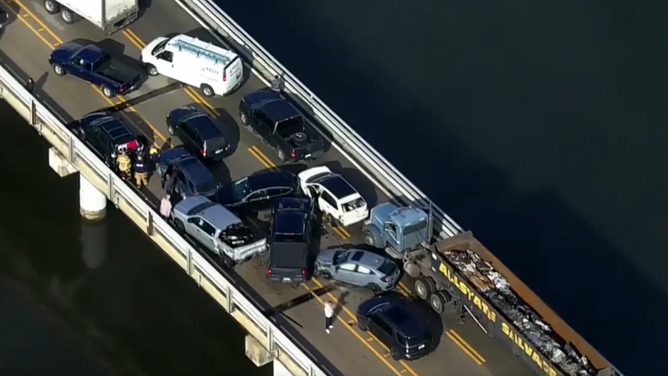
[286,279]
[218,151]
[307,156]
[420,347]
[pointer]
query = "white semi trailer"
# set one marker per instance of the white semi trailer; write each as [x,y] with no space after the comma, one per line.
[108,15]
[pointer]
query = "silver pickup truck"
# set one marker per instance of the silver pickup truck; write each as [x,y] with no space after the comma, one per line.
[217,229]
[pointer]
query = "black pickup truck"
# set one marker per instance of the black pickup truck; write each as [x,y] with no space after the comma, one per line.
[289,241]
[272,118]
[92,64]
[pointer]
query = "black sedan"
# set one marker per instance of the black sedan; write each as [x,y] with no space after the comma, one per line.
[258,192]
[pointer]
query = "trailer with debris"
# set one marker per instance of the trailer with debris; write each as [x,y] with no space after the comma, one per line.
[460,272]
[458,275]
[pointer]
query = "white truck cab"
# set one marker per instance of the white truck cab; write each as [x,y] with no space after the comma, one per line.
[214,70]
[335,197]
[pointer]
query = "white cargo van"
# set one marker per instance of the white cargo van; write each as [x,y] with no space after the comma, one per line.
[215,70]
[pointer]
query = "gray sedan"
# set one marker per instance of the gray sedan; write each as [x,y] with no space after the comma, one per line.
[359,268]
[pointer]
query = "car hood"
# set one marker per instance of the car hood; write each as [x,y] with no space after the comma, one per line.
[326,256]
[225,195]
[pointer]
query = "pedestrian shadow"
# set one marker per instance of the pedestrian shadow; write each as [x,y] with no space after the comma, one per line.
[341,300]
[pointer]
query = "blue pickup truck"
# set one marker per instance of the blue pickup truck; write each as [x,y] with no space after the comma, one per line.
[92,64]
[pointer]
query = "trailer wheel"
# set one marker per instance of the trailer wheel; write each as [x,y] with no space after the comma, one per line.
[51,7]
[439,300]
[424,287]
[68,16]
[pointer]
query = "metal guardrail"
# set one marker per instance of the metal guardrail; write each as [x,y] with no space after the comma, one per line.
[345,139]
[78,154]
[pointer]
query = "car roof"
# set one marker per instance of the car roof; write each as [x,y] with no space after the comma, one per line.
[280,109]
[90,53]
[194,170]
[292,203]
[271,179]
[215,213]
[337,185]
[402,319]
[114,126]
[289,222]
[369,259]
[206,128]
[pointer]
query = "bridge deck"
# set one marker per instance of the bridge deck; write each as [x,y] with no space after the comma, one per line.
[27,41]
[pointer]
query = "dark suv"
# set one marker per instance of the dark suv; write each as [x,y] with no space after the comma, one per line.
[289,240]
[198,132]
[393,319]
[108,135]
[191,177]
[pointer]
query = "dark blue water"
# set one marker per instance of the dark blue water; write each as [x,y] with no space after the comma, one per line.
[541,127]
[84,299]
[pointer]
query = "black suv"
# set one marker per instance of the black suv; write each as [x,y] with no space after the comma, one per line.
[394,320]
[198,132]
[108,135]
[289,241]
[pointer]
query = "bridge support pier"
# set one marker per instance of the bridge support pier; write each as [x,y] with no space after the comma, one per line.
[280,370]
[92,202]
[257,353]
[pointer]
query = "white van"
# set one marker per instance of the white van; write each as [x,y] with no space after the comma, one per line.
[215,70]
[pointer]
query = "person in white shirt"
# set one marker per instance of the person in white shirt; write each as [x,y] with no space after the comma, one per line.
[329,316]
[165,207]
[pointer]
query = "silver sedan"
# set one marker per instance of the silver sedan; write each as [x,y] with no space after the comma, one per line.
[359,268]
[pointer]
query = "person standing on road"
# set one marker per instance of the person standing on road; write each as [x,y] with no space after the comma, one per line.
[277,84]
[166,207]
[30,85]
[154,155]
[329,316]
[140,170]
[124,164]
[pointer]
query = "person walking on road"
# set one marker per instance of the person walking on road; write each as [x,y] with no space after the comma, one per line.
[30,85]
[166,207]
[329,316]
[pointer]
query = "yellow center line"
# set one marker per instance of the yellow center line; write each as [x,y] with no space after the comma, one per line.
[341,232]
[43,28]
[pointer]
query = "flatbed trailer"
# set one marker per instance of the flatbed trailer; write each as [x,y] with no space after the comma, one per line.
[458,274]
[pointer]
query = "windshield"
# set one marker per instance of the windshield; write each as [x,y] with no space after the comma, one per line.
[159,47]
[205,187]
[241,189]
[357,203]
[412,229]
[214,144]
[388,267]
[289,238]
[340,257]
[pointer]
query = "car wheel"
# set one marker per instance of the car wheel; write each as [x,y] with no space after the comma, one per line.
[395,354]
[374,288]
[207,91]
[242,117]
[68,16]
[362,326]
[170,129]
[281,155]
[106,90]
[324,274]
[58,69]
[51,7]
[229,263]
[369,239]
[151,70]
[179,226]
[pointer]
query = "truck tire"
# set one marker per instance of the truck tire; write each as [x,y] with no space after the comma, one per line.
[395,354]
[108,92]
[362,326]
[170,130]
[424,287]
[59,70]
[228,262]
[151,70]
[438,300]
[68,16]
[243,118]
[281,155]
[51,7]
[371,237]
[324,274]
[207,90]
